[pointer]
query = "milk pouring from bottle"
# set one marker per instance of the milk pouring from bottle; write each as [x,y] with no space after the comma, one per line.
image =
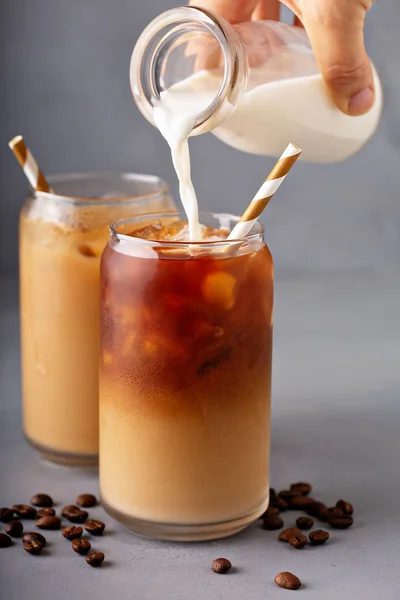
[254,85]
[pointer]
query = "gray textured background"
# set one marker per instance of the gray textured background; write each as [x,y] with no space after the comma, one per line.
[64,86]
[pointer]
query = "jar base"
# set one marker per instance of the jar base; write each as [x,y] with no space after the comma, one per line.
[66,459]
[184,533]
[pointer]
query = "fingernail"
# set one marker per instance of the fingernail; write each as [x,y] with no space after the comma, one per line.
[361,102]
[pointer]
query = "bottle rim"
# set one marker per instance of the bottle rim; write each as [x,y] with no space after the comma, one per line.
[154,41]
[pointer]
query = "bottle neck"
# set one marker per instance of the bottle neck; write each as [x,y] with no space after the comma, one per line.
[180,43]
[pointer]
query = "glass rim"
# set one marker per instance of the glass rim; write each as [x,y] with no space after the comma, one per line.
[86,201]
[251,237]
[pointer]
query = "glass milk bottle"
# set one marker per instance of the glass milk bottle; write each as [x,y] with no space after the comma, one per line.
[255,85]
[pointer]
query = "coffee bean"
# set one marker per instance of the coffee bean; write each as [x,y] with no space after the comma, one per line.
[14,528]
[42,500]
[86,500]
[74,514]
[334,510]
[46,512]
[5,540]
[303,488]
[288,533]
[69,509]
[298,541]
[317,509]
[95,559]
[6,514]
[72,532]
[272,523]
[280,504]
[221,565]
[340,521]
[270,512]
[345,507]
[272,495]
[300,502]
[33,547]
[287,580]
[287,495]
[94,527]
[34,535]
[318,537]
[49,523]
[23,511]
[304,522]
[81,546]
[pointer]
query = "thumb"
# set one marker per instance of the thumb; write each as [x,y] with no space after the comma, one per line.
[335,28]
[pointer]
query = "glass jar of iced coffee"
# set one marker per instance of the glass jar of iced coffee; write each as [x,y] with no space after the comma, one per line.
[62,235]
[185,377]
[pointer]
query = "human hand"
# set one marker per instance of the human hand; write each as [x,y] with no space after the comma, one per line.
[335,29]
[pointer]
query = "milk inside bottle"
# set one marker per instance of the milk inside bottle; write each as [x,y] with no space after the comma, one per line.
[254,85]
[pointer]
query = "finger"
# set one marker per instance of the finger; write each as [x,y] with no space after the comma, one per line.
[267,10]
[336,35]
[234,11]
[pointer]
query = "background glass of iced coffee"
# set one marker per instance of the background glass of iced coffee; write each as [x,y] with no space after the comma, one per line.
[62,236]
[186,344]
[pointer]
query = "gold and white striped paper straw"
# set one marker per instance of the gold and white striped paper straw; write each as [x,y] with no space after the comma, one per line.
[29,165]
[265,193]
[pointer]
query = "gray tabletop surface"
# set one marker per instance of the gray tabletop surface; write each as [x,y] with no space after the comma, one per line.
[336,416]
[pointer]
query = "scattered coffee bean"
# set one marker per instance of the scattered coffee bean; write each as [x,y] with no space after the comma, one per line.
[270,512]
[221,565]
[287,580]
[14,528]
[298,541]
[287,495]
[33,547]
[72,532]
[272,523]
[95,559]
[304,522]
[81,546]
[5,540]
[272,494]
[34,535]
[94,527]
[74,514]
[86,500]
[303,488]
[340,521]
[49,523]
[43,500]
[318,510]
[332,511]
[23,511]
[318,537]
[345,507]
[288,533]
[6,514]
[280,504]
[46,512]
[300,502]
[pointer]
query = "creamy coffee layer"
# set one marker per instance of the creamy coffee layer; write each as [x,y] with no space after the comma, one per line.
[60,334]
